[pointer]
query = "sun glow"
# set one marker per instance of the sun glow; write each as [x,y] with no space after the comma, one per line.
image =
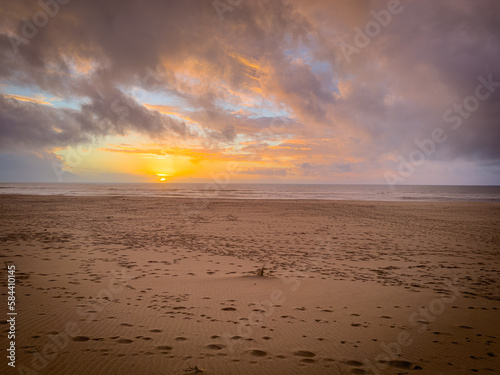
[163,176]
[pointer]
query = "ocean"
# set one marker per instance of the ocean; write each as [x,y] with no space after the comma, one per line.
[430,193]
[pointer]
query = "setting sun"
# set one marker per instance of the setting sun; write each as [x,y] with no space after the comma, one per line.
[163,176]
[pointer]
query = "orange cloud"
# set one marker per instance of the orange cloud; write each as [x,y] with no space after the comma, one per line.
[30,99]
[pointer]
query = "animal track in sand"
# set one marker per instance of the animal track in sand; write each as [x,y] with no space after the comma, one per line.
[307,360]
[215,346]
[81,338]
[257,353]
[164,347]
[125,341]
[405,365]
[304,353]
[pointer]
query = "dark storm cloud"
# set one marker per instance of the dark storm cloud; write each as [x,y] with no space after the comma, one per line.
[36,126]
[126,41]
[428,58]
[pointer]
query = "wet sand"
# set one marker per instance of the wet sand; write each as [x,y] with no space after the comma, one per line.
[168,286]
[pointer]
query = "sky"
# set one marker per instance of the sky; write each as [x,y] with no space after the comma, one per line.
[262,91]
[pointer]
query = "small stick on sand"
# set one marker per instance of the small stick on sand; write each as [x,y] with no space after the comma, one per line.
[260,271]
[195,369]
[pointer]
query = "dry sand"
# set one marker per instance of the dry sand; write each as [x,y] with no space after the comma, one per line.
[158,286]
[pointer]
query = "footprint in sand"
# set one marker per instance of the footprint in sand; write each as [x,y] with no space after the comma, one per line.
[215,347]
[125,341]
[81,338]
[228,309]
[307,360]
[164,347]
[180,339]
[257,353]
[405,365]
[304,353]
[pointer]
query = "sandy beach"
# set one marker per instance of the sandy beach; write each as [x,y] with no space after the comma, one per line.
[127,285]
